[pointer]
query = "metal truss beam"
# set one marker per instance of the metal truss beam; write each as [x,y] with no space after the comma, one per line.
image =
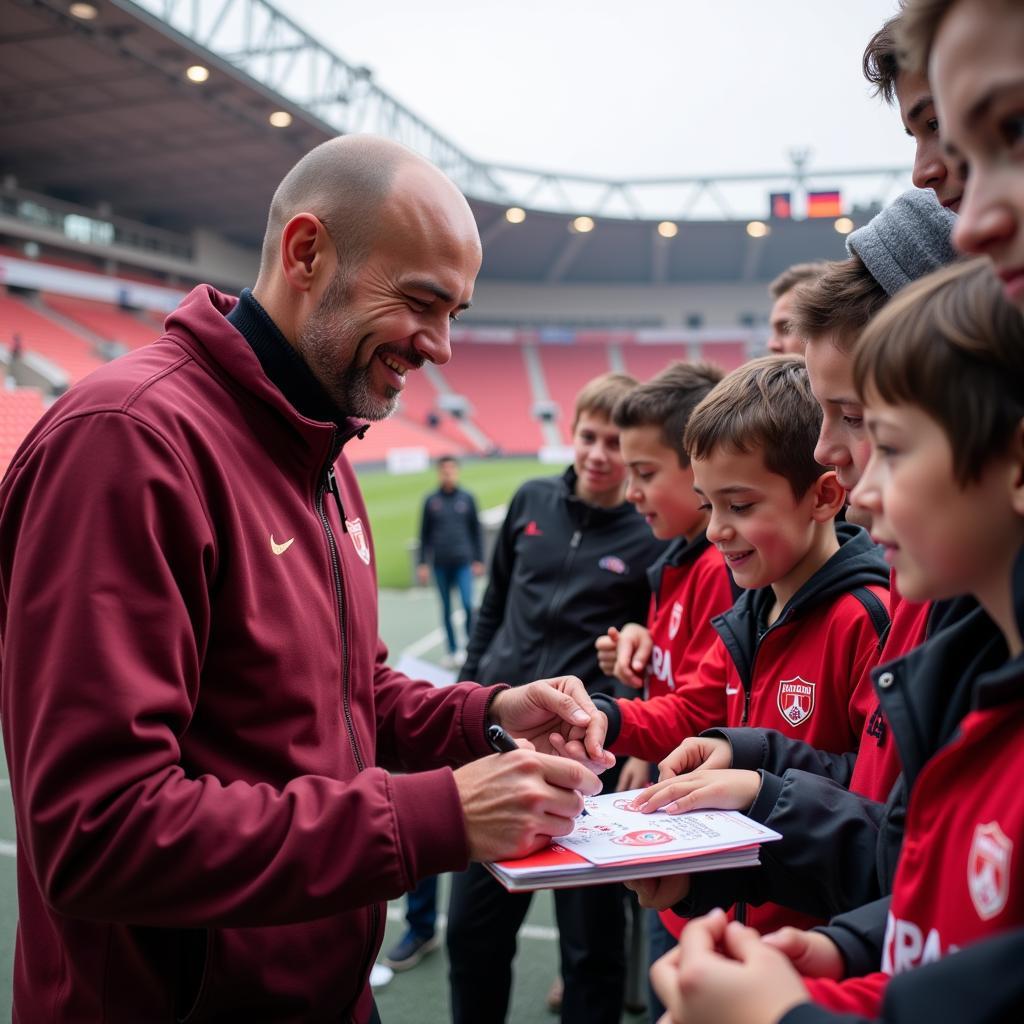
[257,40]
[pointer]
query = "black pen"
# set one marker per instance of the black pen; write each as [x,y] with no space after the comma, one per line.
[500,740]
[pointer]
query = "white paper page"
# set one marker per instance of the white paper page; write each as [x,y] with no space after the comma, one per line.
[611,832]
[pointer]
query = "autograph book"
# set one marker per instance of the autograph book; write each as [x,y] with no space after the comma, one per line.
[612,843]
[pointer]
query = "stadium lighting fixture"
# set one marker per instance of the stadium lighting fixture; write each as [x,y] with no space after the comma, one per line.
[844,225]
[280,119]
[197,73]
[84,12]
[757,229]
[668,229]
[583,224]
[515,215]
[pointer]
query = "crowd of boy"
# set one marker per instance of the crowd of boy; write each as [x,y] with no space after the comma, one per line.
[821,604]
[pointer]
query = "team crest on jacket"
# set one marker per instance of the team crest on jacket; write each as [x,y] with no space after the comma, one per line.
[988,869]
[613,564]
[358,536]
[675,620]
[796,700]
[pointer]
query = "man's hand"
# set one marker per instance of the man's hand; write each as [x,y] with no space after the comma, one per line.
[813,954]
[726,789]
[422,574]
[696,752]
[624,653]
[635,773]
[550,712]
[724,974]
[514,803]
[660,893]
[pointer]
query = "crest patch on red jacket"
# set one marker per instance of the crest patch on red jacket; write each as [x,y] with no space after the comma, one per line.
[796,700]
[988,869]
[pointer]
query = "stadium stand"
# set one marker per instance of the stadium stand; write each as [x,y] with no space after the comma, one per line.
[19,410]
[398,432]
[493,377]
[566,369]
[103,319]
[643,361]
[40,334]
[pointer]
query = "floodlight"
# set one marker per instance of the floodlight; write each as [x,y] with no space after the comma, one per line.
[757,229]
[280,119]
[668,229]
[197,73]
[515,215]
[84,12]
[843,225]
[583,224]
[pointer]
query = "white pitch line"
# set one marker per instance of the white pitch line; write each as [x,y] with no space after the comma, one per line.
[433,638]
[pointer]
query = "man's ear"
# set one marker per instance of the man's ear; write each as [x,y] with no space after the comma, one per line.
[829,497]
[305,248]
[1017,469]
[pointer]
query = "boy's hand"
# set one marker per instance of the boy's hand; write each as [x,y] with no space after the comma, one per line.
[624,653]
[635,773]
[696,752]
[725,789]
[660,893]
[724,974]
[813,954]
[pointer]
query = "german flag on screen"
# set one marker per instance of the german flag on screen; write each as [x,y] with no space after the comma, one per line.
[824,204]
[781,205]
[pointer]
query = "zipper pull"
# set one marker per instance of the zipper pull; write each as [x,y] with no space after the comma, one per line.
[576,538]
[332,486]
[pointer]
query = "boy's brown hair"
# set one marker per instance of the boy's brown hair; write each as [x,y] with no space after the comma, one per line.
[794,275]
[953,346]
[881,62]
[764,405]
[667,401]
[600,395]
[839,304]
[917,30]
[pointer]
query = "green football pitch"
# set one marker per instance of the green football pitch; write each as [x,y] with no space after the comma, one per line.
[394,504]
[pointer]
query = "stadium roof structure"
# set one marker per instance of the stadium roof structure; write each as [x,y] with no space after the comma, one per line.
[97,110]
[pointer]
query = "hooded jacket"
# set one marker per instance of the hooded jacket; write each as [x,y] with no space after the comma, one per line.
[195,702]
[798,676]
[562,573]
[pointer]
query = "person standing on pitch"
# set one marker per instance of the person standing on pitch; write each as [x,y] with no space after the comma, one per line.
[450,542]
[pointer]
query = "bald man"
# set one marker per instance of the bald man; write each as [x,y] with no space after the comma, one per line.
[197,712]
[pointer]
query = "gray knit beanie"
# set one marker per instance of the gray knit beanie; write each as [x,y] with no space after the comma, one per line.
[908,239]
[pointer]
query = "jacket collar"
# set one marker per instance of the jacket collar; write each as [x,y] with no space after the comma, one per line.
[680,551]
[202,325]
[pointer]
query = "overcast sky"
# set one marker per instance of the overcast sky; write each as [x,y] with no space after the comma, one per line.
[628,88]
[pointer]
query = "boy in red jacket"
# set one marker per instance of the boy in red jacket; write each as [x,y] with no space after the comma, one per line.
[789,653]
[942,373]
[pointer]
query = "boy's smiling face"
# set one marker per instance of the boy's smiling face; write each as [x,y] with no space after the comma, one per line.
[942,538]
[658,486]
[767,535]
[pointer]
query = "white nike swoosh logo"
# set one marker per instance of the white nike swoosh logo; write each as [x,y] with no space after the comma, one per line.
[280,549]
[730,690]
